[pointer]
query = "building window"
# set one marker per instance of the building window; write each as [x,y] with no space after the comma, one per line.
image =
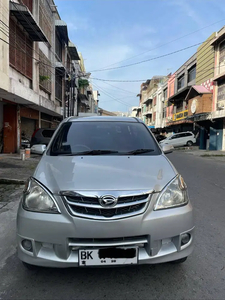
[46,18]
[154,116]
[222,52]
[165,92]
[58,47]
[179,106]
[180,82]
[192,73]
[45,73]
[221,91]
[58,86]
[164,112]
[20,50]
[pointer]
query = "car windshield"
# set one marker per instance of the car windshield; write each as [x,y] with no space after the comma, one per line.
[104,138]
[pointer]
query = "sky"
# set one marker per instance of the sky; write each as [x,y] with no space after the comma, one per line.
[114,33]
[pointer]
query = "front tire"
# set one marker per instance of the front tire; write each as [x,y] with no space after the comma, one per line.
[189,143]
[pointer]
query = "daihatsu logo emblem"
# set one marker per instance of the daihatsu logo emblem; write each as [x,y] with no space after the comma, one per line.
[108,201]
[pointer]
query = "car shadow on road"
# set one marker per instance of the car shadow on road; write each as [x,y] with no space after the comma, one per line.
[91,283]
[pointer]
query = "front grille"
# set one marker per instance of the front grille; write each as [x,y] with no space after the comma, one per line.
[89,207]
[108,213]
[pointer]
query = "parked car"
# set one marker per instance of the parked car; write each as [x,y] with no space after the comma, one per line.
[180,139]
[104,194]
[42,136]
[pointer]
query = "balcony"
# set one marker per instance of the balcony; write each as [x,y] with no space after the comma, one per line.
[147,100]
[26,19]
[147,112]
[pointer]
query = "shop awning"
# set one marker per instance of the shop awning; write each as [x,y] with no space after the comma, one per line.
[25,18]
[181,95]
[60,67]
[61,27]
[73,51]
[196,90]
[198,117]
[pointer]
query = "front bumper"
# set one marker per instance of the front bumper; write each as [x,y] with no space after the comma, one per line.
[56,238]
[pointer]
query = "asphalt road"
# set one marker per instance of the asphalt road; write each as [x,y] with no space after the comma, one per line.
[202,276]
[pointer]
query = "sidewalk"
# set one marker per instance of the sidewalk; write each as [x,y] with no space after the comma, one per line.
[194,150]
[13,170]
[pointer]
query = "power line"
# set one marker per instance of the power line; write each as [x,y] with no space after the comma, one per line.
[143,80]
[114,80]
[164,44]
[150,59]
[99,79]
[1,29]
[119,88]
[118,99]
[107,94]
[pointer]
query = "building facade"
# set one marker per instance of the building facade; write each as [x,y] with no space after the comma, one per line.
[179,87]
[217,132]
[36,70]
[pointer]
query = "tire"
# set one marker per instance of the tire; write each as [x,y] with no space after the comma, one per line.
[28,266]
[179,261]
[189,143]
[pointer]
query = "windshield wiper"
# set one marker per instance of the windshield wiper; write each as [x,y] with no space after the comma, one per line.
[88,152]
[139,151]
[94,152]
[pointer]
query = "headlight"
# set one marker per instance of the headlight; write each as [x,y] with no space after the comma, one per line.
[37,199]
[174,195]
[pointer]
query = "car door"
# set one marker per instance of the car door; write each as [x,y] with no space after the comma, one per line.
[182,140]
[174,140]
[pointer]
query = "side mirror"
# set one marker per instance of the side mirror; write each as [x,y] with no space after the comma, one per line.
[38,149]
[167,149]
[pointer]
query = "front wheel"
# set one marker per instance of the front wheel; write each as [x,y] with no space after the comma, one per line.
[189,143]
[178,261]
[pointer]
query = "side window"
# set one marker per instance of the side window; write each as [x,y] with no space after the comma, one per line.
[47,133]
[189,134]
[173,137]
[182,135]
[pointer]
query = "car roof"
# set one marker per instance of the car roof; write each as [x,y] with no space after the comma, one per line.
[102,119]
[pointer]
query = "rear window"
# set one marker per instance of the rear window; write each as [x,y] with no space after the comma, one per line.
[121,137]
[47,133]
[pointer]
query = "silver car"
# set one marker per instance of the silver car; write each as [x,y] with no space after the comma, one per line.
[104,194]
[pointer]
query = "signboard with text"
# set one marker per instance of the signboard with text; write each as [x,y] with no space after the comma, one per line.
[180,115]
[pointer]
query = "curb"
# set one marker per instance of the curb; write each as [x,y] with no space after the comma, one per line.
[11,181]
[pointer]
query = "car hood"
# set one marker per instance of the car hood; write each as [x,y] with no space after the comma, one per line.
[73,173]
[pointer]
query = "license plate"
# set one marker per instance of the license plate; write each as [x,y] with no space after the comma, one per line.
[108,256]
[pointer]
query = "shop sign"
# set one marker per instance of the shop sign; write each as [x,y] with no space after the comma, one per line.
[181,115]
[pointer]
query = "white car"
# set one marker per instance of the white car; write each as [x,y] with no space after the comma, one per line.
[180,139]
